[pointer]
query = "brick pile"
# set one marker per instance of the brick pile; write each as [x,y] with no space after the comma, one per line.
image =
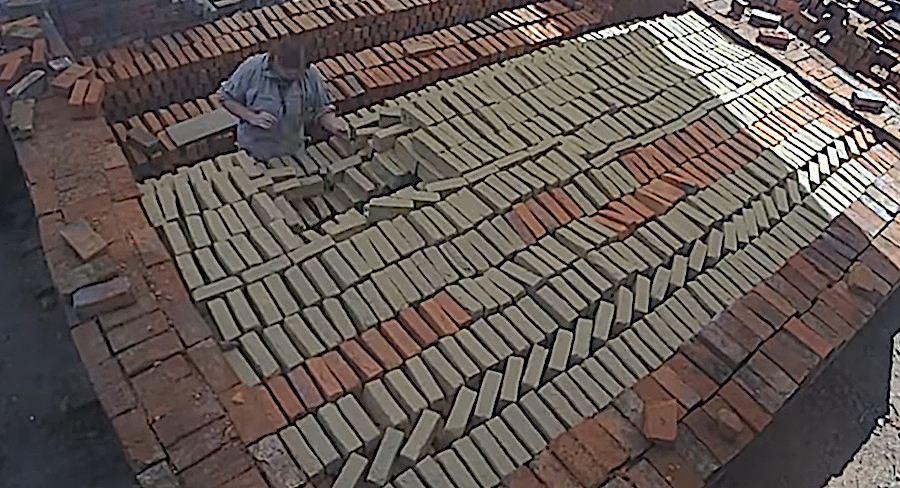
[184,65]
[601,230]
[370,75]
[862,37]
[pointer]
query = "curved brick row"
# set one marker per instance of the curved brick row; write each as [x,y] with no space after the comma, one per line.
[728,383]
[180,66]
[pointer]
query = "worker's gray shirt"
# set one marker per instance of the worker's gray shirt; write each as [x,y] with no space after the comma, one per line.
[296,104]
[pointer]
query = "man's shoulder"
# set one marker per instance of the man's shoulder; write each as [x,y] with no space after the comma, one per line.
[256,62]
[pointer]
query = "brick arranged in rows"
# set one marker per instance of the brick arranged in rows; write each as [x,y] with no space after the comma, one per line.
[454,328]
[183,65]
[372,74]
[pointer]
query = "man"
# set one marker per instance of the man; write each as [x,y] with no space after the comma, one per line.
[280,98]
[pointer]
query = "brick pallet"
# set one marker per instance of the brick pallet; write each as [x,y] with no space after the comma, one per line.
[615,220]
[189,64]
[360,78]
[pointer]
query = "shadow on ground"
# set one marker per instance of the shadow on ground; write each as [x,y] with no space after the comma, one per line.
[53,431]
[840,425]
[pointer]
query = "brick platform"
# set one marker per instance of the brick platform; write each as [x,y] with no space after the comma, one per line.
[609,261]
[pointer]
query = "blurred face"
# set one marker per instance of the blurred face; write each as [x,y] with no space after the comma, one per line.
[291,61]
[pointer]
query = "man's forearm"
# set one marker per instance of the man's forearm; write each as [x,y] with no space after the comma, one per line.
[237,109]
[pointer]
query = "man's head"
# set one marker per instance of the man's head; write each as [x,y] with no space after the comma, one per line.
[290,58]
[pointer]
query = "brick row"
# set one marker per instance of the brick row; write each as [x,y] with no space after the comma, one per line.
[187,64]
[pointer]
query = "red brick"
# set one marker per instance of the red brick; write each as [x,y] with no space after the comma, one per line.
[832,319]
[835,332]
[706,429]
[143,355]
[361,362]
[325,379]
[541,215]
[719,344]
[625,433]
[253,412]
[551,472]
[520,227]
[221,467]
[729,324]
[437,318]
[90,344]
[305,388]
[553,207]
[780,381]
[809,286]
[285,397]
[619,228]
[742,403]
[567,203]
[660,420]
[607,452]
[789,353]
[137,330]
[400,338]
[774,299]
[342,371]
[529,220]
[453,309]
[882,257]
[188,322]
[522,477]
[667,378]
[248,479]
[149,246]
[380,349]
[772,316]
[821,263]
[786,290]
[691,375]
[644,475]
[578,460]
[677,471]
[416,327]
[196,446]
[140,445]
[207,357]
[853,309]
[112,390]
[808,337]
[862,281]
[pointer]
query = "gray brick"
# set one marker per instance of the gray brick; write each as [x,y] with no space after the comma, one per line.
[338,429]
[320,444]
[360,421]
[525,430]
[420,438]
[384,409]
[534,368]
[427,385]
[458,419]
[390,444]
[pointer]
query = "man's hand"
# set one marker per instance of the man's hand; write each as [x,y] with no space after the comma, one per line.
[263,120]
[334,125]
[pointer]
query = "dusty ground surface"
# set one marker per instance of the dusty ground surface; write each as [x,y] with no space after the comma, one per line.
[53,431]
[841,431]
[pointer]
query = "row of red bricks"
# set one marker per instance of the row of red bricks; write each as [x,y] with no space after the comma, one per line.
[181,66]
[327,377]
[372,75]
[696,156]
[158,372]
[731,379]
